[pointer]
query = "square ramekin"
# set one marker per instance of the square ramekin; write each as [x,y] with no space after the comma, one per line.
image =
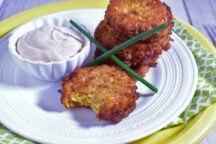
[47,71]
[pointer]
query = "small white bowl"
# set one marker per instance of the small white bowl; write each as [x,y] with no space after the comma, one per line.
[47,71]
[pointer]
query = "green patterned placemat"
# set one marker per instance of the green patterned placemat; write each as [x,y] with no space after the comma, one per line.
[205,93]
[7,137]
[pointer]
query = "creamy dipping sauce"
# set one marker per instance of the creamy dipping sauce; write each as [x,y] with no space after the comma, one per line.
[50,43]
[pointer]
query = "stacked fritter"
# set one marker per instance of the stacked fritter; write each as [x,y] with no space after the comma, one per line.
[125,19]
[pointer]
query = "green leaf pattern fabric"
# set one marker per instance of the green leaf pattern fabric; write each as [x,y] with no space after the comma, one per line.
[205,94]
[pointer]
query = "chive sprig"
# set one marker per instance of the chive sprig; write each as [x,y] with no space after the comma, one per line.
[115,59]
[125,44]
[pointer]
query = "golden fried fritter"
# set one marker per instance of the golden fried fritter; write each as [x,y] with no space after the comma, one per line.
[107,90]
[142,70]
[143,53]
[132,17]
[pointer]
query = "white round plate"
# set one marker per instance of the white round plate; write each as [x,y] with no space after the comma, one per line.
[32,108]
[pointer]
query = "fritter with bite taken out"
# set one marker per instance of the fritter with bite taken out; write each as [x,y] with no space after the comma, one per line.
[107,90]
